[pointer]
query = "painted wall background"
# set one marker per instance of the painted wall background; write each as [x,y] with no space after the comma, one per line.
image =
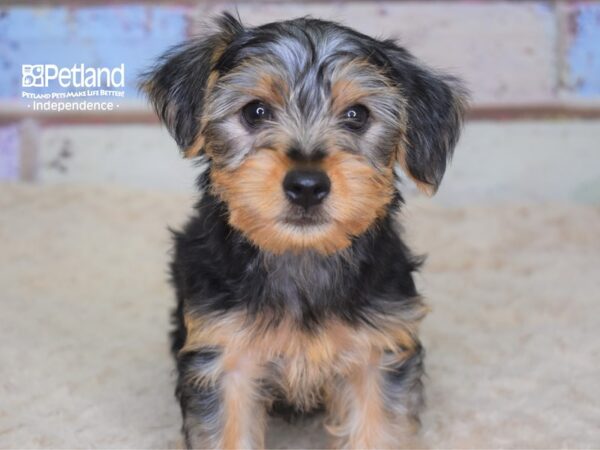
[583,49]
[97,36]
[509,52]
[533,56]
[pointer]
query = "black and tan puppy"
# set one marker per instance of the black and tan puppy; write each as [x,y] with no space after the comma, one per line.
[293,284]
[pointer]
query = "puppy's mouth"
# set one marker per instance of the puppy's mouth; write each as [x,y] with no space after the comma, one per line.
[300,217]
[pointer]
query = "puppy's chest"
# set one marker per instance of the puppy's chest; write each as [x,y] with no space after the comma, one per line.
[300,365]
[297,339]
[297,363]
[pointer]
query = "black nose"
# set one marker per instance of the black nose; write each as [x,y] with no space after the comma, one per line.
[306,187]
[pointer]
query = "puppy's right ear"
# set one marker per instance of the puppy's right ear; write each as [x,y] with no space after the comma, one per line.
[177,85]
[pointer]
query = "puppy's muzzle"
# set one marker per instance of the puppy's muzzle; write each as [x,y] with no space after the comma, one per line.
[306,187]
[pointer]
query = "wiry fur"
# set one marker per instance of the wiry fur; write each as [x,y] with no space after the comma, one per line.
[275,304]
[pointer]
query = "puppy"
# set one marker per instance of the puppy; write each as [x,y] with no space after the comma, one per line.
[294,287]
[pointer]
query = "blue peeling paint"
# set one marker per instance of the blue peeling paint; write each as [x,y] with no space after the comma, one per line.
[94,36]
[584,54]
[9,152]
[544,7]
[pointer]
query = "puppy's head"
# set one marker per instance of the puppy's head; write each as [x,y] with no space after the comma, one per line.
[302,123]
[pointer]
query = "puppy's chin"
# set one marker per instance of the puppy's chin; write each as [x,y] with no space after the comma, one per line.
[296,230]
[307,234]
[304,223]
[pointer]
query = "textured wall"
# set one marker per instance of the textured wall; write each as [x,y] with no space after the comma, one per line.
[509,52]
[92,35]
[536,54]
[583,49]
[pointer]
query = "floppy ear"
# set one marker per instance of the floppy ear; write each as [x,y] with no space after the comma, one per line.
[178,83]
[435,108]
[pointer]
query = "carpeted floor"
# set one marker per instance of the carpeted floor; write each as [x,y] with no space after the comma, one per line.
[513,338]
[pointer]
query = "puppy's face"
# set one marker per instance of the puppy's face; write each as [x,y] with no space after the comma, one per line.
[302,147]
[302,123]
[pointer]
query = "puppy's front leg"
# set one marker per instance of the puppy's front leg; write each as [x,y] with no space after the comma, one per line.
[220,400]
[376,406]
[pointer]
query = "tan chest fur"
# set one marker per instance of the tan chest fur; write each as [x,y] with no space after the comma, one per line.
[302,364]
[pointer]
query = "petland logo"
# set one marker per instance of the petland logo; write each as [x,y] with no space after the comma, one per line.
[78,76]
[48,87]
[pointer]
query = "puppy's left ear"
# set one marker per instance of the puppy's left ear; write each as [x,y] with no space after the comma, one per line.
[178,83]
[434,113]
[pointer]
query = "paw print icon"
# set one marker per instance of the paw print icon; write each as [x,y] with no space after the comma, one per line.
[32,75]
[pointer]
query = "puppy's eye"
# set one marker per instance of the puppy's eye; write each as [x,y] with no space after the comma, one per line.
[255,113]
[355,118]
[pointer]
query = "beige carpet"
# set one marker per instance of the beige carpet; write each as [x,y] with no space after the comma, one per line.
[513,338]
